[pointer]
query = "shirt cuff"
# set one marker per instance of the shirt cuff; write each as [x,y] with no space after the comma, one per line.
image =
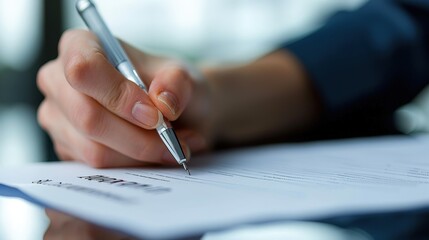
[358,56]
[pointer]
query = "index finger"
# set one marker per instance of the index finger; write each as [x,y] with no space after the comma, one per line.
[88,70]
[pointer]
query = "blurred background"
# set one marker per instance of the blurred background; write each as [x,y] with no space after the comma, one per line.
[207,31]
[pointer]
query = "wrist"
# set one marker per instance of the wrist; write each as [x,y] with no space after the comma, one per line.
[267,99]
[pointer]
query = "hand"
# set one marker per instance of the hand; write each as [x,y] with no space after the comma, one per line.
[96,116]
[269,99]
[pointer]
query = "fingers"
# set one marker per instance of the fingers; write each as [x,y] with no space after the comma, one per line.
[171,91]
[83,130]
[71,145]
[96,116]
[94,122]
[88,71]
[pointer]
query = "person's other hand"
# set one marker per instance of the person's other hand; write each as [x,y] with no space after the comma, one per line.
[94,115]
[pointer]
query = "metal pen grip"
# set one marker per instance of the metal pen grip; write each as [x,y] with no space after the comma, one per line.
[92,18]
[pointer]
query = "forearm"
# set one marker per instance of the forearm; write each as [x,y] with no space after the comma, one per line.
[368,62]
[268,98]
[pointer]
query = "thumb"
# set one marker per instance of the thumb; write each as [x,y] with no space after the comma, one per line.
[171,90]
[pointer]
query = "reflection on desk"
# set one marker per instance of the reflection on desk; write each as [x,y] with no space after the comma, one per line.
[63,226]
[400,225]
[49,224]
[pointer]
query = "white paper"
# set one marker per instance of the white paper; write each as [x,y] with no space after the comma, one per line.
[280,182]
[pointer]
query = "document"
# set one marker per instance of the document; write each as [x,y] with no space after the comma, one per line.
[306,181]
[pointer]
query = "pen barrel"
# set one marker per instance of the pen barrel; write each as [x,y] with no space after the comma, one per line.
[93,20]
[168,136]
[130,73]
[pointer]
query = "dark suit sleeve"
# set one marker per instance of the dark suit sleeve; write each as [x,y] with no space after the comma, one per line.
[366,63]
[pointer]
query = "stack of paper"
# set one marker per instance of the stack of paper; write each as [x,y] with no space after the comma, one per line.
[280,182]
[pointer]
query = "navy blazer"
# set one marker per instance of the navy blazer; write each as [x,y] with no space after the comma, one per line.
[366,63]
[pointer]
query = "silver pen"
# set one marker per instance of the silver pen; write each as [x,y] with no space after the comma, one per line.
[120,60]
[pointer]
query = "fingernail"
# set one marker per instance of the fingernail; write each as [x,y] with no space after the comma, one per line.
[169,100]
[145,114]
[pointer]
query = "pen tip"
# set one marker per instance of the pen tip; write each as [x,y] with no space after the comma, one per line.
[186,168]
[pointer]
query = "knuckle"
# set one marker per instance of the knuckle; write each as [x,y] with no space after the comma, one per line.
[79,65]
[88,119]
[178,74]
[183,79]
[76,67]
[119,96]
[95,155]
